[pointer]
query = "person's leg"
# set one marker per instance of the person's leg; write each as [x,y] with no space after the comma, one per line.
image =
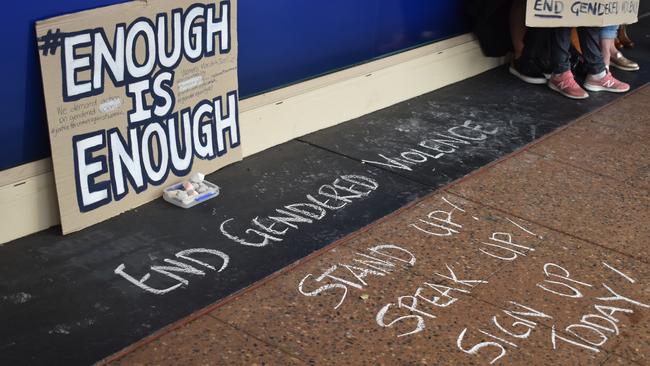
[590,45]
[611,55]
[562,80]
[524,42]
[542,50]
[560,44]
[612,49]
[621,62]
[607,37]
[518,26]
[598,79]
[525,67]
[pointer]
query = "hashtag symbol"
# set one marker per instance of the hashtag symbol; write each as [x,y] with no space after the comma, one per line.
[48,43]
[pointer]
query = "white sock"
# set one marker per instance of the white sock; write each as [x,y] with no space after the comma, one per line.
[600,75]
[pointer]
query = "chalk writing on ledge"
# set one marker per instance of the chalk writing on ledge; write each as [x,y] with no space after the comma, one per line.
[264,230]
[435,147]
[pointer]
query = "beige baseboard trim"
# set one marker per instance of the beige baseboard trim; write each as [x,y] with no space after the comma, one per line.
[28,195]
[25,171]
[28,206]
[282,94]
[364,92]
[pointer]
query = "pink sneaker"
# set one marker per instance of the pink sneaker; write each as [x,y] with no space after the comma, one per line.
[608,83]
[567,86]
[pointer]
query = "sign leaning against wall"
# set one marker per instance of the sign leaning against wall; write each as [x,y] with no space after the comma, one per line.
[137,95]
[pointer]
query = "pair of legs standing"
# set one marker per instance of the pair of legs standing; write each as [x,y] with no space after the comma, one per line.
[598,77]
[527,42]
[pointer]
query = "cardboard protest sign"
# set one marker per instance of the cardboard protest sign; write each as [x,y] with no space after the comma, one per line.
[571,13]
[138,95]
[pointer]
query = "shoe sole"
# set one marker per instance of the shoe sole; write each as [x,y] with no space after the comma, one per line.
[555,88]
[527,79]
[624,68]
[598,88]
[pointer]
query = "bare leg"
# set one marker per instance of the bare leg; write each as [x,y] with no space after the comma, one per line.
[613,50]
[518,26]
[608,49]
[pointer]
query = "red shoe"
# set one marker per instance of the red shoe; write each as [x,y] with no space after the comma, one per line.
[566,85]
[608,83]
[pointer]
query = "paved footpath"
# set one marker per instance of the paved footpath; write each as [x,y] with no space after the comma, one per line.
[541,258]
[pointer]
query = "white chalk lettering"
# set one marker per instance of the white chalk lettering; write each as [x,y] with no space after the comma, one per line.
[441,144]
[390,163]
[474,350]
[452,277]
[316,212]
[325,287]
[555,336]
[630,279]
[574,292]
[141,282]
[618,297]
[445,225]
[379,318]
[266,238]
[384,249]
[431,295]
[177,267]
[375,263]
[360,267]
[343,191]
[521,319]
[504,242]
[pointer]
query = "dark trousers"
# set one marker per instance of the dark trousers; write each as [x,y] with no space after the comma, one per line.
[537,46]
[589,43]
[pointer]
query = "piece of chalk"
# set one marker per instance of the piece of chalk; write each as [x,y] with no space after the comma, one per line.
[181,195]
[205,196]
[187,186]
[197,177]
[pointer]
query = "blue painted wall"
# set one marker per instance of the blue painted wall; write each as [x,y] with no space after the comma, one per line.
[280,42]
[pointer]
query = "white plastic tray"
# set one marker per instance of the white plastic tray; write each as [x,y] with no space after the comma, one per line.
[212,192]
